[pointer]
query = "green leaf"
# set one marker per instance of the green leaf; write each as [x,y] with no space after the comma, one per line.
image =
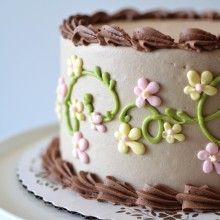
[106,78]
[98,71]
[108,115]
[127,118]
[184,117]
[88,99]
[170,112]
[112,84]
[178,116]
[90,108]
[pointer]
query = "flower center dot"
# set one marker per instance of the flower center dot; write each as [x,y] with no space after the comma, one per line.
[145,94]
[213,158]
[170,132]
[125,138]
[75,144]
[199,87]
[74,109]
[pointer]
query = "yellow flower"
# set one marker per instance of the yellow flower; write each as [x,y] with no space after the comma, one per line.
[199,84]
[127,138]
[76,109]
[74,66]
[172,133]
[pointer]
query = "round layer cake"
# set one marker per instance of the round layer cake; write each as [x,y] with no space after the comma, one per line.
[138,99]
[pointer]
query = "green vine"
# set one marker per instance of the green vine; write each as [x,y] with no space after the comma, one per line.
[201,120]
[172,116]
[111,85]
[169,115]
[67,102]
[104,77]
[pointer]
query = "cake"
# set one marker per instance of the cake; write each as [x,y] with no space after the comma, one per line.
[138,102]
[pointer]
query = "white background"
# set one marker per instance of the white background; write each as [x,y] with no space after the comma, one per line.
[29,53]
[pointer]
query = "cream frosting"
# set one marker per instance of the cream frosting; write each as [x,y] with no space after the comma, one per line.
[179,160]
[164,164]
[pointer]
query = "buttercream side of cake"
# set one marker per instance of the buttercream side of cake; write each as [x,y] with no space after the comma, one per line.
[171,164]
[139,100]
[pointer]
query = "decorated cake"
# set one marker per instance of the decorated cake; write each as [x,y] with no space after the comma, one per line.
[138,102]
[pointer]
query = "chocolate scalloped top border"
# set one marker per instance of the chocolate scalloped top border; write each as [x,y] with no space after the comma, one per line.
[80,30]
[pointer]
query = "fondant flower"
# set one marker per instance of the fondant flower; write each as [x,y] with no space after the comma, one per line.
[172,133]
[199,84]
[145,92]
[80,145]
[61,94]
[127,138]
[97,122]
[76,109]
[211,158]
[61,89]
[74,66]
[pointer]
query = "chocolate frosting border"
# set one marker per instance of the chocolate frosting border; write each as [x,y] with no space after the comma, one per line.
[157,197]
[80,30]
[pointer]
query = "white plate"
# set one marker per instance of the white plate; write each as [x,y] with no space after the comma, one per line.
[15,201]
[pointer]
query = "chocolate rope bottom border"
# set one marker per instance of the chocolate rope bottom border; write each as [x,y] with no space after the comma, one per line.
[158,197]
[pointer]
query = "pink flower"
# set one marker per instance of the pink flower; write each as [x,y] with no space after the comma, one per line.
[146,91]
[80,146]
[97,122]
[211,157]
[61,89]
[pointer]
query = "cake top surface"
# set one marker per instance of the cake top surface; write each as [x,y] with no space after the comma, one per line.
[146,31]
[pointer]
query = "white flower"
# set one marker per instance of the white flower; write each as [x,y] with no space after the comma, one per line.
[172,133]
